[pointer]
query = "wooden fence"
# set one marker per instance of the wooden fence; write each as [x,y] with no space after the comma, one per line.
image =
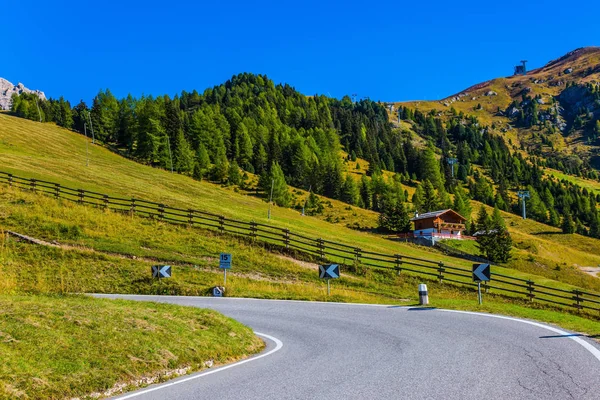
[322,249]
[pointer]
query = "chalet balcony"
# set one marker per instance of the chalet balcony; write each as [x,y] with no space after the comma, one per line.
[449,226]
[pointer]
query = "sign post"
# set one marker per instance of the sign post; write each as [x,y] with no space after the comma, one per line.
[481,273]
[330,271]
[225,264]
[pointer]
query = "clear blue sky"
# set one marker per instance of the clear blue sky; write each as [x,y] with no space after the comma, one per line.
[387,50]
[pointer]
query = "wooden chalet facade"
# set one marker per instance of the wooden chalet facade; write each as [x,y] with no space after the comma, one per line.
[442,224]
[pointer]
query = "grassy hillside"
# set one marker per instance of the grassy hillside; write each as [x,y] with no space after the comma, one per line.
[107,252]
[49,344]
[48,152]
[45,151]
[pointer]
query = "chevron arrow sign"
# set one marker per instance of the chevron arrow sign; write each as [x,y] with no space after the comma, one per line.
[329,271]
[481,272]
[161,271]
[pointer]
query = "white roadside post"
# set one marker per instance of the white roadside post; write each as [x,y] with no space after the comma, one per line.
[423,295]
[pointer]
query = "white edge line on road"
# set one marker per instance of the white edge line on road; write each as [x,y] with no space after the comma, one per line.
[278,346]
[589,347]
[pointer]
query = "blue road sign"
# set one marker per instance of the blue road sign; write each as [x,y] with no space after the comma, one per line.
[161,271]
[329,271]
[481,272]
[225,261]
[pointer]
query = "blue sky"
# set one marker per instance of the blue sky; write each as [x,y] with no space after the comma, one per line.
[386,50]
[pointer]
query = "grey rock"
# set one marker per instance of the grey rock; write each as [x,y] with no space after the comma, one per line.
[7,89]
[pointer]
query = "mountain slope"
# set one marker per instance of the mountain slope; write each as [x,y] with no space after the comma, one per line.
[560,92]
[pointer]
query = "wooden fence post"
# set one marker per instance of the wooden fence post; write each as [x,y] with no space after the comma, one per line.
[57,190]
[191,217]
[105,200]
[286,238]
[161,211]
[321,249]
[530,289]
[357,252]
[578,299]
[441,271]
[81,195]
[132,207]
[398,263]
[10,179]
[32,183]
[253,229]
[221,223]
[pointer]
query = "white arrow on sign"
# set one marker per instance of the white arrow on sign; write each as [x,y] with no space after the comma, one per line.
[165,271]
[328,271]
[161,271]
[482,272]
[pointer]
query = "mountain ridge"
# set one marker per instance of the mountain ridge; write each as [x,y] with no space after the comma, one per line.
[7,89]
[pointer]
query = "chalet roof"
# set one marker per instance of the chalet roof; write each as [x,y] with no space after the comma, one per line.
[435,214]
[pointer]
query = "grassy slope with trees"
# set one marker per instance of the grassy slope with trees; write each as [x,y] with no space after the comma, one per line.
[48,152]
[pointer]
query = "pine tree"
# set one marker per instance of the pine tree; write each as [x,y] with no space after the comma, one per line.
[497,220]
[567,224]
[260,160]
[594,225]
[313,205]
[418,199]
[394,218]
[365,192]
[430,169]
[202,162]
[484,223]
[431,201]
[275,180]
[554,218]
[234,176]
[183,155]
[349,193]
[221,165]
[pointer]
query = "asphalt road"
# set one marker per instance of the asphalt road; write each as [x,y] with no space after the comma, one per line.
[343,351]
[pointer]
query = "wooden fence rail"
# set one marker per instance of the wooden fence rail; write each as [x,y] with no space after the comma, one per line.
[323,250]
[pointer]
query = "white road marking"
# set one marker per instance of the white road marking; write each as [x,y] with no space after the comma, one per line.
[278,346]
[589,347]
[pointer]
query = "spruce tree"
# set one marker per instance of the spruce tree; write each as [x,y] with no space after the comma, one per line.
[221,165]
[202,162]
[430,168]
[183,155]
[234,176]
[431,201]
[365,192]
[349,192]
[418,199]
[275,180]
[567,224]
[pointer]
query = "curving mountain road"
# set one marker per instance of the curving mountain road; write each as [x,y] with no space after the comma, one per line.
[345,351]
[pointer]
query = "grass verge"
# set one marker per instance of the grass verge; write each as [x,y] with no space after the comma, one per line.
[65,346]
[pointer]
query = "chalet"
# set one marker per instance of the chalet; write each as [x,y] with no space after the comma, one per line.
[442,224]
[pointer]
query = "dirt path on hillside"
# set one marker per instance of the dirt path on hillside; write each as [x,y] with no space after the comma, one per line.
[593,271]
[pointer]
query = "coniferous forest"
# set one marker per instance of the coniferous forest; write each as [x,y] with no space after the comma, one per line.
[286,138]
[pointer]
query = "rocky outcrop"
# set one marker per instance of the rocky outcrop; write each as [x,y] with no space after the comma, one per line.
[7,89]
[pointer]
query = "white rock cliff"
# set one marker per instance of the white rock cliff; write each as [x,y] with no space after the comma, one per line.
[7,89]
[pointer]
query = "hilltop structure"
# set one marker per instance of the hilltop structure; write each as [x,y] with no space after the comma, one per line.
[521,69]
